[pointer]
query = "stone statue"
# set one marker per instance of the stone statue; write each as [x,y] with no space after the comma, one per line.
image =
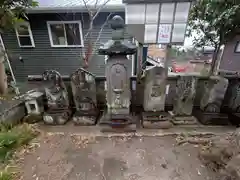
[210,105]
[184,100]
[117,76]
[84,96]
[213,94]
[57,106]
[154,91]
[154,115]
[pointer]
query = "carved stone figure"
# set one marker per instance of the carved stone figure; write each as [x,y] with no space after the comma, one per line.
[210,105]
[154,115]
[117,77]
[57,102]
[84,96]
[234,96]
[213,94]
[154,90]
[184,100]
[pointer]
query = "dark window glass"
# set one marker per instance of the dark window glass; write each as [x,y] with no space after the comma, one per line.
[73,34]
[58,36]
[25,40]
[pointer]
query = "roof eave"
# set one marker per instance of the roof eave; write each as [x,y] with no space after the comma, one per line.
[73,9]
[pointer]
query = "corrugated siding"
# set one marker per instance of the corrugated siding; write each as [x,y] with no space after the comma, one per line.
[43,56]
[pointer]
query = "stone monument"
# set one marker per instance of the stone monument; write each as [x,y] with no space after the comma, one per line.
[184,100]
[117,74]
[154,115]
[232,99]
[210,105]
[84,96]
[57,103]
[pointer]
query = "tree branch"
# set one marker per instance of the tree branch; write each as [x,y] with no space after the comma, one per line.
[99,9]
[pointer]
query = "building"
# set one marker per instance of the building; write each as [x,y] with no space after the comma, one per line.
[230,58]
[53,38]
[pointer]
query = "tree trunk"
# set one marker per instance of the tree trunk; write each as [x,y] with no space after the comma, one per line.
[3,76]
[215,61]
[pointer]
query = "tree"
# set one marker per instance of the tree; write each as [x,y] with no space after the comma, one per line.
[11,11]
[93,7]
[215,22]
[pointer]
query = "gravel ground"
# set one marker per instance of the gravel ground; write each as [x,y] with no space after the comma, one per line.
[76,157]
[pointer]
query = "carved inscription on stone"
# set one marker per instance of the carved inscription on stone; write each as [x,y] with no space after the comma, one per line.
[185,94]
[154,90]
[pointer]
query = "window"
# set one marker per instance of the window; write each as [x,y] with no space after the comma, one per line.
[24,35]
[65,33]
[237,48]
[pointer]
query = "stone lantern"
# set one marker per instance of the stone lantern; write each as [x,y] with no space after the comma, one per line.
[117,77]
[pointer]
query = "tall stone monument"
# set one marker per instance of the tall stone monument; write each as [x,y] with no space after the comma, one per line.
[117,74]
[154,115]
[210,105]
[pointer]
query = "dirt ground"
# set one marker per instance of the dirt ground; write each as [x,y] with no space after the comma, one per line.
[68,156]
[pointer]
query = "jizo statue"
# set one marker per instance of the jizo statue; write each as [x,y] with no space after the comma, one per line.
[210,105]
[117,76]
[57,110]
[84,96]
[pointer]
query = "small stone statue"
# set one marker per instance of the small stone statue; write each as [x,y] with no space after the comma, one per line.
[184,100]
[117,77]
[57,106]
[84,96]
[210,105]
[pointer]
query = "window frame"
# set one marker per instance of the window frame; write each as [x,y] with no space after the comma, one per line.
[236,47]
[30,34]
[65,22]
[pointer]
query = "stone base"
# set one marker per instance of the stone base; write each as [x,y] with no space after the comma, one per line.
[234,118]
[156,120]
[56,118]
[207,118]
[183,120]
[117,123]
[84,120]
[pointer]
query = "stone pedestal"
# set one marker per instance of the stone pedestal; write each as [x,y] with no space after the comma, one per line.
[57,110]
[117,116]
[84,96]
[211,102]
[184,100]
[154,98]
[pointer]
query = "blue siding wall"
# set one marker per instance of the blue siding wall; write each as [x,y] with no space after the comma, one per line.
[43,56]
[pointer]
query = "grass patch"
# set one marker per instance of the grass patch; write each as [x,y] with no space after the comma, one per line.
[6,175]
[11,138]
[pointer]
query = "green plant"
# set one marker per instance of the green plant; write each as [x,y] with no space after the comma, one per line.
[12,138]
[6,175]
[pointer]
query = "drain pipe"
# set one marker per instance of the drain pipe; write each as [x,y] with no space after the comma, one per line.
[9,65]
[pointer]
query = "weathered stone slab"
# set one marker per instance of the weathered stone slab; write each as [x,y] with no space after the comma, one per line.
[84,96]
